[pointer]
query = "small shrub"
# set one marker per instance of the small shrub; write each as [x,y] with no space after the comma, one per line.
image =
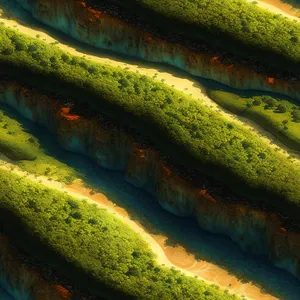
[281,108]
[73,204]
[296,116]
[92,221]
[257,102]
[270,102]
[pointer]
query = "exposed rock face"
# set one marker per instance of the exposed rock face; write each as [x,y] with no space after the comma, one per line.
[101,30]
[255,231]
[23,282]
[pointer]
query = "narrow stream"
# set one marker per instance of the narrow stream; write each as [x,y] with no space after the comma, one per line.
[217,249]
[142,206]
[14,9]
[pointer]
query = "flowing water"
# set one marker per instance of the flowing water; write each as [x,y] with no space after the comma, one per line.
[142,206]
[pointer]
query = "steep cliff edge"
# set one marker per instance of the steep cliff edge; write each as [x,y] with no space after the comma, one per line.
[23,281]
[256,231]
[100,29]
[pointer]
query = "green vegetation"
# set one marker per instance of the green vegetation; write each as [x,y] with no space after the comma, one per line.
[24,149]
[14,149]
[280,117]
[236,25]
[183,128]
[97,244]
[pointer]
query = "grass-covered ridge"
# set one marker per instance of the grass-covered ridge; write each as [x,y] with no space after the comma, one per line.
[94,242]
[234,25]
[187,131]
[25,150]
[279,116]
[15,150]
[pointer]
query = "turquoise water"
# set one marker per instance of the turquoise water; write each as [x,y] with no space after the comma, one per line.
[14,9]
[4,295]
[296,3]
[215,248]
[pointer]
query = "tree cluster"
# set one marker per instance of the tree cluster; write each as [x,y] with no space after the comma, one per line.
[278,116]
[182,127]
[237,26]
[95,241]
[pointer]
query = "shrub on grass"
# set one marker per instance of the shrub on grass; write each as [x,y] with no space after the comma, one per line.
[171,125]
[93,241]
[15,150]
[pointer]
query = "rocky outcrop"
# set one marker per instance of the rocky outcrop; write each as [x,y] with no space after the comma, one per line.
[100,29]
[256,231]
[22,281]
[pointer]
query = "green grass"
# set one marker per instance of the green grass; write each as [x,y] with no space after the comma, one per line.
[26,152]
[182,127]
[15,149]
[234,25]
[279,116]
[90,245]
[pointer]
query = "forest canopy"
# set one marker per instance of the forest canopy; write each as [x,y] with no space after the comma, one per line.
[183,128]
[238,26]
[279,116]
[93,241]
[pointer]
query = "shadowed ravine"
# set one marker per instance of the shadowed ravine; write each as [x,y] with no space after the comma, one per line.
[217,249]
[185,232]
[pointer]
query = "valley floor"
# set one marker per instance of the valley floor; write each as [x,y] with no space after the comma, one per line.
[170,256]
[173,77]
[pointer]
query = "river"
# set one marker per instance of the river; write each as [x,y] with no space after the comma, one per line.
[216,249]
[141,206]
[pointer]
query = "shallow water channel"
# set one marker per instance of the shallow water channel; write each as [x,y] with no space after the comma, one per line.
[183,231]
[143,207]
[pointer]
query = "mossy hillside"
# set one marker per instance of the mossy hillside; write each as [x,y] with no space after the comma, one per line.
[26,152]
[237,26]
[14,149]
[182,127]
[279,116]
[106,253]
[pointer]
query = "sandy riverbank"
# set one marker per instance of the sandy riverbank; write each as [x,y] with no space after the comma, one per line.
[284,7]
[278,7]
[175,78]
[166,255]
[170,256]
[178,256]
